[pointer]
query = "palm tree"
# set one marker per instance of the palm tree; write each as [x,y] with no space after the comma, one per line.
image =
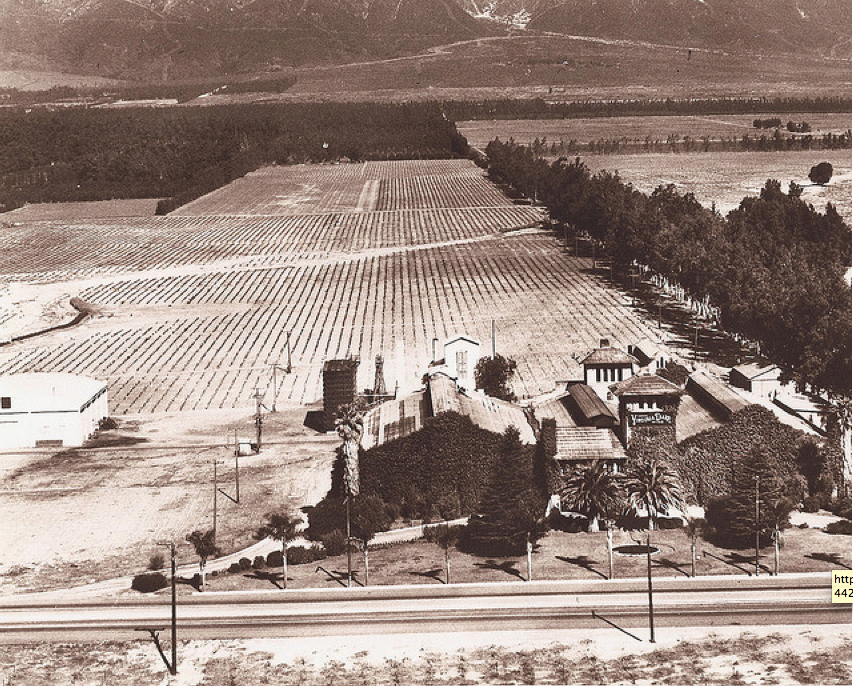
[281,527]
[653,488]
[349,424]
[205,548]
[595,491]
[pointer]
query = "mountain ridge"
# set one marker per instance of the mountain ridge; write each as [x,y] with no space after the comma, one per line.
[163,40]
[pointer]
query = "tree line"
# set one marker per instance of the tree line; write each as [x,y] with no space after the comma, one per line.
[182,91]
[774,267]
[539,108]
[97,154]
[674,143]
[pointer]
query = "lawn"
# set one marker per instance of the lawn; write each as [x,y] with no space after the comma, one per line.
[559,555]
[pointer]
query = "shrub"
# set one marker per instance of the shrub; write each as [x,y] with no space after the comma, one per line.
[149,582]
[156,561]
[705,460]
[234,568]
[300,555]
[259,562]
[274,559]
[841,507]
[560,522]
[335,543]
[245,564]
[392,510]
[842,526]
[107,423]
[811,503]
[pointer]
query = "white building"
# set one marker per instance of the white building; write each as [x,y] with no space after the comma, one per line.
[40,409]
[606,365]
[461,354]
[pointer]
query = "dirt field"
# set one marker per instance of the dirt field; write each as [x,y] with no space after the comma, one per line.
[90,514]
[715,126]
[725,655]
[726,178]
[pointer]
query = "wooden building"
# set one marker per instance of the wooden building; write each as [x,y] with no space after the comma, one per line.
[339,388]
[759,377]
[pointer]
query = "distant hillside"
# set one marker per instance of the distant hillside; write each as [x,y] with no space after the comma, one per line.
[174,39]
[814,26]
[160,40]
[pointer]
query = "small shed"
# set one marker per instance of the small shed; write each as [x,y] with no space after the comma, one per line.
[49,409]
[759,377]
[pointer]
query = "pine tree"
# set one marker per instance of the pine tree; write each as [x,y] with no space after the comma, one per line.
[733,517]
[511,512]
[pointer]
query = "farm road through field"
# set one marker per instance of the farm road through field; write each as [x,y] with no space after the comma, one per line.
[443,257]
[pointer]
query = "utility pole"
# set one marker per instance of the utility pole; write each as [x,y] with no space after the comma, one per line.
[696,342]
[289,367]
[237,476]
[349,544]
[215,492]
[259,420]
[173,665]
[494,344]
[274,389]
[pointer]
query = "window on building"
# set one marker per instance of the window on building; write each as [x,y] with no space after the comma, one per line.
[461,363]
[598,374]
[6,403]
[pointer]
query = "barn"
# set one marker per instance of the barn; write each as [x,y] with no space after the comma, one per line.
[40,409]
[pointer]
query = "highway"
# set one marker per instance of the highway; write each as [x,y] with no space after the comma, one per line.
[704,601]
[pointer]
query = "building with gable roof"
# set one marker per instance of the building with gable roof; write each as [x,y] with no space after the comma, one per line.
[759,377]
[606,365]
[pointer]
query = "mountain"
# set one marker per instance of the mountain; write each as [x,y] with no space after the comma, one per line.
[173,39]
[769,26]
[160,40]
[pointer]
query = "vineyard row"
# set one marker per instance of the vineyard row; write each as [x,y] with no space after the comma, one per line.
[547,312]
[49,252]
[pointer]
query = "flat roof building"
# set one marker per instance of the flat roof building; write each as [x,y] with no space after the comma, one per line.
[49,409]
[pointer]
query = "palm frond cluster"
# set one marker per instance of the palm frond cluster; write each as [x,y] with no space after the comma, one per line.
[649,488]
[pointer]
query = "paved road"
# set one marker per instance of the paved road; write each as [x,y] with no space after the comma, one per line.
[704,601]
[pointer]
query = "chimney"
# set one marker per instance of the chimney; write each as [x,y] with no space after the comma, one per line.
[603,342]
[434,349]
